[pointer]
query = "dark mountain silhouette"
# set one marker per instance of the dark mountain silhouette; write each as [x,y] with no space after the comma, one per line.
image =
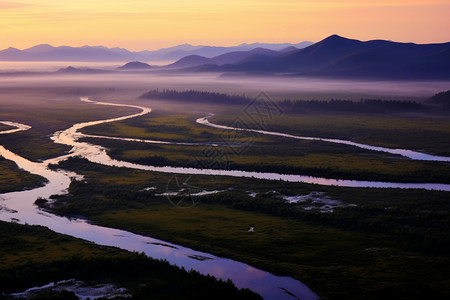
[277,47]
[288,49]
[190,61]
[336,56]
[227,58]
[135,65]
[211,51]
[238,56]
[170,53]
[72,70]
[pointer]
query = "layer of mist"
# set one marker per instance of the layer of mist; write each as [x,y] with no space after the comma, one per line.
[279,88]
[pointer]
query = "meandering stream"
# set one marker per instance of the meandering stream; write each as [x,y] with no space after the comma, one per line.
[19,207]
[403,152]
[98,154]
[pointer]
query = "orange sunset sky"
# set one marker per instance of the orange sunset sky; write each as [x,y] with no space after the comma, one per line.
[153,24]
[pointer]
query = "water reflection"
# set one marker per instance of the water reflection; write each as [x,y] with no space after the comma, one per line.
[18,127]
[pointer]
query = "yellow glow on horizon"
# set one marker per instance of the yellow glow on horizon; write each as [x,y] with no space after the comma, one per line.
[144,24]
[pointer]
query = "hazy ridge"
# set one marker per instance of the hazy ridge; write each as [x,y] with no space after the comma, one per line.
[45,52]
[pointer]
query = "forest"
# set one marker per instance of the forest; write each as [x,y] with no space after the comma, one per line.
[372,106]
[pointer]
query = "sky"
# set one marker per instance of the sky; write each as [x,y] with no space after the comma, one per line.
[154,24]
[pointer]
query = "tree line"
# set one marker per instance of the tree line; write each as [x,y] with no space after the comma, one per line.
[294,106]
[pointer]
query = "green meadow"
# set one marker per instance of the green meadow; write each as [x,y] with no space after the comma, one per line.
[5,127]
[14,179]
[419,132]
[45,118]
[262,153]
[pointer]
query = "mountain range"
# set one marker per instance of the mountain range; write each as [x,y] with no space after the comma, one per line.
[233,57]
[47,52]
[337,56]
[333,57]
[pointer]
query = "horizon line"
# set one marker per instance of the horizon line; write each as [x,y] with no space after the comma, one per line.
[216,45]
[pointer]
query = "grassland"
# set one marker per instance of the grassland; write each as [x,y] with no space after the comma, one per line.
[166,126]
[5,127]
[34,255]
[383,123]
[262,153]
[14,179]
[428,133]
[23,244]
[45,118]
[393,242]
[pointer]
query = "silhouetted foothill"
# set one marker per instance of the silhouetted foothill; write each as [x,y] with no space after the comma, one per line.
[135,65]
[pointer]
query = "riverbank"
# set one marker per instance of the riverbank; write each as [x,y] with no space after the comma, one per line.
[34,256]
[14,179]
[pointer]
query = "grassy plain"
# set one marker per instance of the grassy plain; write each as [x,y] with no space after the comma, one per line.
[392,242]
[165,126]
[275,154]
[5,127]
[46,117]
[14,179]
[419,132]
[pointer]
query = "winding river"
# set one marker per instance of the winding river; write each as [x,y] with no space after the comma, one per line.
[19,207]
[98,154]
[18,127]
[403,152]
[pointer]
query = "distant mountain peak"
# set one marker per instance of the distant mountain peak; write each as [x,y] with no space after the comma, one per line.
[68,69]
[46,52]
[335,36]
[135,65]
[40,48]
[190,60]
[337,56]
[73,70]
